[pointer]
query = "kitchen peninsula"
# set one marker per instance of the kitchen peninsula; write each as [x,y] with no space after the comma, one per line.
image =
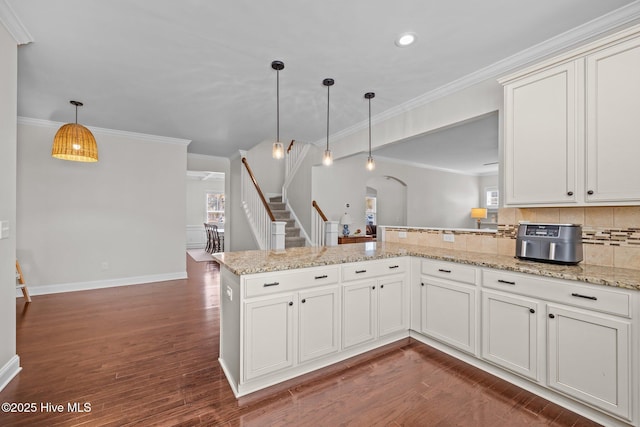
[567,333]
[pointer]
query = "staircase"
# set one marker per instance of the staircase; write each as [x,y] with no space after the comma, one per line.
[292,233]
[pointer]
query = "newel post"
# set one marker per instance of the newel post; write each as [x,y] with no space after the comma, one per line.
[331,233]
[277,235]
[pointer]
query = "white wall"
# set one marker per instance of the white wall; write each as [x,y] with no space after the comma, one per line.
[118,221]
[268,171]
[474,101]
[9,361]
[434,198]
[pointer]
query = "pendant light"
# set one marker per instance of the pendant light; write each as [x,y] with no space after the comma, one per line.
[327,159]
[277,152]
[75,142]
[371,165]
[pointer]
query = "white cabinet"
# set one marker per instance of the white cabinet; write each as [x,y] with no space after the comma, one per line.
[358,313]
[393,301]
[375,301]
[571,127]
[510,332]
[319,322]
[613,128]
[268,335]
[448,304]
[270,322]
[541,137]
[448,313]
[587,336]
[589,358]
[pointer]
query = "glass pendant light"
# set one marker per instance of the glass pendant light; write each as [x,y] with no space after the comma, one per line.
[327,159]
[277,152]
[75,142]
[371,165]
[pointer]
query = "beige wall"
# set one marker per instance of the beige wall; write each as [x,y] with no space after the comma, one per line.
[9,362]
[118,221]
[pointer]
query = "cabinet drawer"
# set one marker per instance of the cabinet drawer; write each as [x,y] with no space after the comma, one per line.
[367,269]
[271,283]
[590,297]
[449,270]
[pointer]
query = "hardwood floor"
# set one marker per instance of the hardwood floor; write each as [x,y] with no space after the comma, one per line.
[147,355]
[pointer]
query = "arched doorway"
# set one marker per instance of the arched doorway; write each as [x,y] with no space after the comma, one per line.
[386,201]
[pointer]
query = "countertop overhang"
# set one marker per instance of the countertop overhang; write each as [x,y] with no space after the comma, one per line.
[262,261]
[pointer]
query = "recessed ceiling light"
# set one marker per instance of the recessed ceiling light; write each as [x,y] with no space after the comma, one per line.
[405,39]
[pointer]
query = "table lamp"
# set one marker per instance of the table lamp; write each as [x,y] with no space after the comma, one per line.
[346,222]
[478,214]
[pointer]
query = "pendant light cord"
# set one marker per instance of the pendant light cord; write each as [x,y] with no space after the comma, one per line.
[277,105]
[328,86]
[76,114]
[369,127]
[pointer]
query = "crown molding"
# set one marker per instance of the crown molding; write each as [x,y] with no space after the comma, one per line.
[569,39]
[13,24]
[103,131]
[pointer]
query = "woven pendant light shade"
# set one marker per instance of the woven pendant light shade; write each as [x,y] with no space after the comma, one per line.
[75,142]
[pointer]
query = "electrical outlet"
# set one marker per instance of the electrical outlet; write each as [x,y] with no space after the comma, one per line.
[4,229]
[229,293]
[104,266]
[402,234]
[448,238]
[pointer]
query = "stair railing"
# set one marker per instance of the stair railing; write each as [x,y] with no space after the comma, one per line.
[323,231]
[269,233]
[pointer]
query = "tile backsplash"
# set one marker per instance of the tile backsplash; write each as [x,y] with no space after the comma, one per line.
[610,234]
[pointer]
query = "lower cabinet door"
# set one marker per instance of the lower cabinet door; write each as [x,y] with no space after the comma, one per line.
[393,306]
[318,313]
[510,332]
[589,358]
[358,313]
[268,336]
[448,313]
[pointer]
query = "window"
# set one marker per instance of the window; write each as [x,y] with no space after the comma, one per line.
[492,199]
[215,207]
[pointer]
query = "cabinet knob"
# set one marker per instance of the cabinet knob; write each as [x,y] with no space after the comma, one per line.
[381,286]
[590,192]
[290,302]
[569,193]
[373,287]
[531,310]
[421,283]
[551,316]
[304,300]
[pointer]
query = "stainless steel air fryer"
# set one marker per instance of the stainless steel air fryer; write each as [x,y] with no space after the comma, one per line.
[557,243]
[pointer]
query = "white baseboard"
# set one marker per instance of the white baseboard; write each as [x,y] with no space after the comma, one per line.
[100,284]
[9,371]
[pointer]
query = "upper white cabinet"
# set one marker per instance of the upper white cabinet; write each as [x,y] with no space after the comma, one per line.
[613,128]
[571,128]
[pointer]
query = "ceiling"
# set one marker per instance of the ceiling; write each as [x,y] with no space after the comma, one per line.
[201,70]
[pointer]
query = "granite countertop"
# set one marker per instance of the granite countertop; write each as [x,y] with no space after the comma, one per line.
[251,262]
